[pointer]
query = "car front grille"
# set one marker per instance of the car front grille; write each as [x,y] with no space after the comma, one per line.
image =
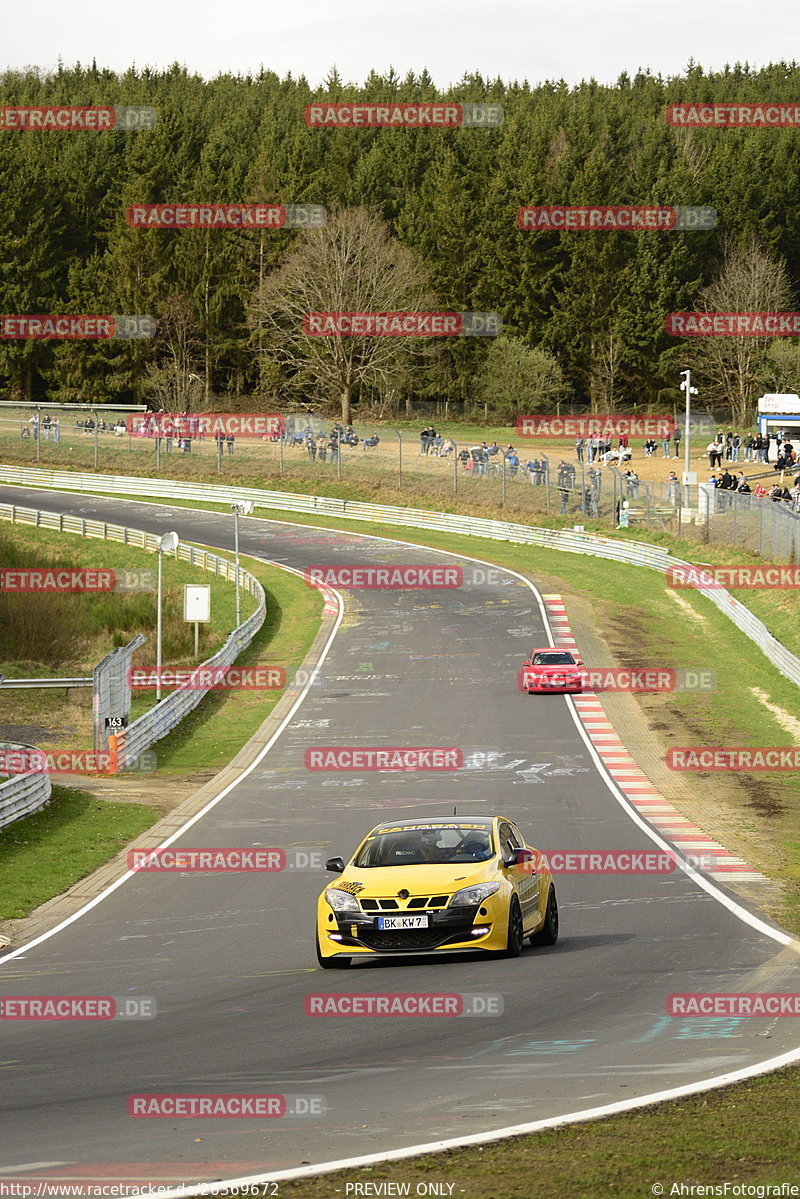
[409,939]
[414,904]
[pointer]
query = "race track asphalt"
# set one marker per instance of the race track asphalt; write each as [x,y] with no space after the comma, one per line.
[230,958]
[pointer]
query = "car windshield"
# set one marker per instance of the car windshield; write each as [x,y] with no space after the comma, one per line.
[425,846]
[553,659]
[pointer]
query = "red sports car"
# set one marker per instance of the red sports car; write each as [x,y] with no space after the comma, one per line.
[551,669]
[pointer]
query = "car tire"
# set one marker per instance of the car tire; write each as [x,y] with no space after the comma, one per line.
[548,933]
[331,963]
[515,937]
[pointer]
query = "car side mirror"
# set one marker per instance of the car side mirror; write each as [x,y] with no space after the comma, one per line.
[519,857]
[579,661]
[336,865]
[526,663]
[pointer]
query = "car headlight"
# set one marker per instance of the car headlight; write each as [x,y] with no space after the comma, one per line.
[473,895]
[341,901]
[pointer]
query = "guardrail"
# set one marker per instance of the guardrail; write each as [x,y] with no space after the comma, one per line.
[635,553]
[158,721]
[29,684]
[22,794]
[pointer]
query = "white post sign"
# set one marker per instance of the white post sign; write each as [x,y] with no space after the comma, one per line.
[197,607]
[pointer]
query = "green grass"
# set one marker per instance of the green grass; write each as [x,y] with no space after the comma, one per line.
[744,1134]
[215,731]
[645,626]
[44,854]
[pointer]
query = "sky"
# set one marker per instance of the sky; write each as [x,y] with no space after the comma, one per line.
[512,39]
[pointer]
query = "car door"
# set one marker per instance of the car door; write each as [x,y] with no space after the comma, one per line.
[524,880]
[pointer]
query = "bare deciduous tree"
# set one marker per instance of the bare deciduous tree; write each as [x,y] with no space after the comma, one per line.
[734,370]
[173,383]
[352,264]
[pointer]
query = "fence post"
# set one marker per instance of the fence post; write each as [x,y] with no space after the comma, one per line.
[760,526]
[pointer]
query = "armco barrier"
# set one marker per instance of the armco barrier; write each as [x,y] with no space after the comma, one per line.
[162,718]
[22,794]
[634,552]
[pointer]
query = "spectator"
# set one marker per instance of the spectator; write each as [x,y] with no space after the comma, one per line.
[580,442]
[749,442]
[736,443]
[311,448]
[55,430]
[715,449]
[713,480]
[759,490]
[513,462]
[673,488]
[46,427]
[465,459]
[649,448]
[230,439]
[594,448]
[494,448]
[632,484]
[665,444]
[726,482]
[676,440]
[742,486]
[369,443]
[564,493]
[728,446]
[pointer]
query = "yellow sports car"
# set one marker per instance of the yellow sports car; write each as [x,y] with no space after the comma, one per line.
[437,886]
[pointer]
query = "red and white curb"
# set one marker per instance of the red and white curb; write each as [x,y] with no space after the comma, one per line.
[634,783]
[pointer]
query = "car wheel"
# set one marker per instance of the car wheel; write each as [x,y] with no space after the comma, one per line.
[548,933]
[515,938]
[331,963]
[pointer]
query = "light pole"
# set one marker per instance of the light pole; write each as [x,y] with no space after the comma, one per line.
[242,508]
[686,386]
[455,467]
[167,544]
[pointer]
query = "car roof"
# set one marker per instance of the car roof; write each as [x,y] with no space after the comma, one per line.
[436,822]
[550,649]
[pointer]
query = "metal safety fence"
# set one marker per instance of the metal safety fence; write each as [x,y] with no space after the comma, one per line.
[26,792]
[158,721]
[635,553]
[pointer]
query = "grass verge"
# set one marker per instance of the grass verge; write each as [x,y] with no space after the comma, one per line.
[740,1135]
[45,853]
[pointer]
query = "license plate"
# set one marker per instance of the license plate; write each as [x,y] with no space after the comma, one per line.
[395,922]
